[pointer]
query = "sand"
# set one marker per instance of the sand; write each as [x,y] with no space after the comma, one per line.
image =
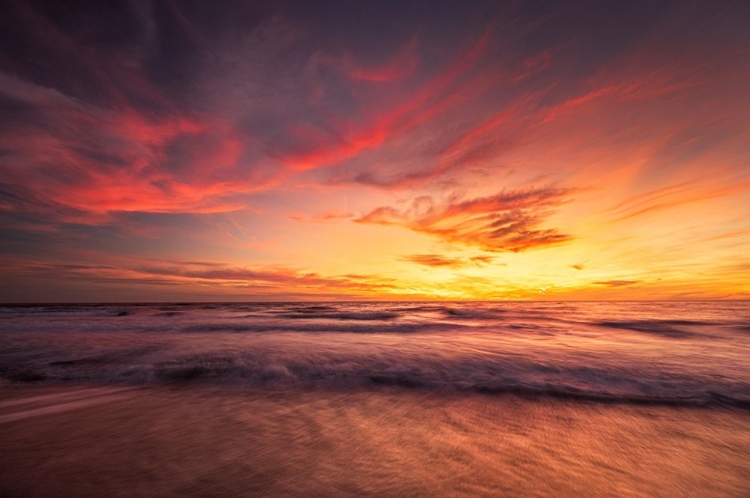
[204,441]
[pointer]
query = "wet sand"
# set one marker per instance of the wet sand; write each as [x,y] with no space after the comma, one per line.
[202,441]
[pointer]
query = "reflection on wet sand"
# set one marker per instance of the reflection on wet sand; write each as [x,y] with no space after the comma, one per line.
[206,441]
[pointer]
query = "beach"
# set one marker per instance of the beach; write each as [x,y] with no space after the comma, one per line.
[204,441]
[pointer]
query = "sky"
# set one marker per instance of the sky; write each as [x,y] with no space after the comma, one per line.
[415,150]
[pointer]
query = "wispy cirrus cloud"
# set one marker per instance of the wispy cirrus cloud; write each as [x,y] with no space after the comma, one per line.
[371,131]
[684,193]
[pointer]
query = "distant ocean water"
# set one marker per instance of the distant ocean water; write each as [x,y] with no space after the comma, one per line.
[664,353]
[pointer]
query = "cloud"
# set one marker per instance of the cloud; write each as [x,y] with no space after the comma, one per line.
[135,123]
[479,260]
[351,139]
[273,278]
[325,216]
[616,283]
[434,260]
[179,120]
[508,221]
[384,215]
[439,261]
[219,277]
[99,160]
[673,196]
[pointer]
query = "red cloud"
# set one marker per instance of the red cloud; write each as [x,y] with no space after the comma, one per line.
[96,161]
[403,117]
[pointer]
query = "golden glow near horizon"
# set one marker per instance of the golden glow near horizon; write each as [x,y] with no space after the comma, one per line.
[530,157]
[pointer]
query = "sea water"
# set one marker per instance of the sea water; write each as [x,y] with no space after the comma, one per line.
[684,353]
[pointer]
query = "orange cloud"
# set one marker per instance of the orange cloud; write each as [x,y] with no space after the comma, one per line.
[616,283]
[439,261]
[508,221]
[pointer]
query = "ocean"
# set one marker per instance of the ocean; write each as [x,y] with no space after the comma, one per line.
[662,353]
[400,398]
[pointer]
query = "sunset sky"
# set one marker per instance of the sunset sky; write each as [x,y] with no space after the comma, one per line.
[226,150]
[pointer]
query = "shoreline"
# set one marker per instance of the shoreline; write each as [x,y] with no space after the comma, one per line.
[379,385]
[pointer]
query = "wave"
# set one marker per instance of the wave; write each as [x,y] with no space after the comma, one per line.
[473,313]
[315,309]
[704,400]
[386,328]
[665,328]
[363,315]
[272,368]
[225,371]
[168,314]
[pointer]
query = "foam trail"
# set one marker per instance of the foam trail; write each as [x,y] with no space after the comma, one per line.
[62,403]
